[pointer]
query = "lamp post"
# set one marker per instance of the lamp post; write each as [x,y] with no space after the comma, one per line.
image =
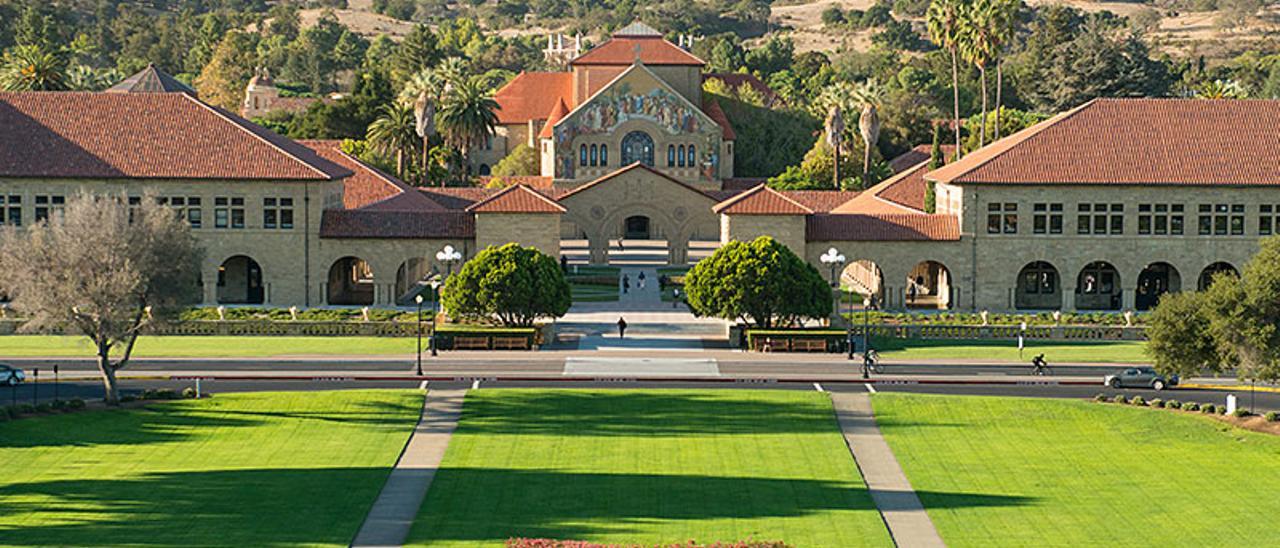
[417,299]
[866,321]
[448,256]
[435,299]
[833,259]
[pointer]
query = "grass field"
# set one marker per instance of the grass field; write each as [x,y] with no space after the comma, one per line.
[584,282]
[256,469]
[1086,474]
[622,466]
[1001,350]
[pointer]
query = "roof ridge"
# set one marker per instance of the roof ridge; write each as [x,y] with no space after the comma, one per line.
[232,119]
[624,169]
[1011,142]
[512,189]
[762,187]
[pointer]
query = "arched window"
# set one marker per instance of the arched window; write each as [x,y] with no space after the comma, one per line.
[671,155]
[604,155]
[582,155]
[692,157]
[595,155]
[637,146]
[484,169]
[680,155]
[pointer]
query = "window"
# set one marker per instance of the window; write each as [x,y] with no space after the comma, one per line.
[582,155]
[1269,219]
[1221,219]
[1047,218]
[1160,219]
[228,212]
[1100,219]
[185,207]
[604,155]
[680,155]
[1002,218]
[134,202]
[195,215]
[11,210]
[692,157]
[671,155]
[277,213]
[595,155]
[1039,279]
[46,204]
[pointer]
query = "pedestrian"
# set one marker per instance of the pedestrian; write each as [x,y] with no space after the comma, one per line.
[675,297]
[626,283]
[640,278]
[622,327]
[620,246]
[564,264]
[911,293]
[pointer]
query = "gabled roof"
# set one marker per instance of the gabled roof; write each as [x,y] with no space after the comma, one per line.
[517,199]
[761,200]
[531,95]
[919,153]
[151,80]
[557,113]
[607,177]
[540,182]
[712,108]
[370,186]
[85,135]
[1135,142]
[626,48]
[662,84]
[904,227]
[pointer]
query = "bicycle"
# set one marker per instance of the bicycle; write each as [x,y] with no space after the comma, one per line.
[1039,367]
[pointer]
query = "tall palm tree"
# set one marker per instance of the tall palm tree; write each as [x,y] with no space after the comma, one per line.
[835,138]
[869,94]
[394,132]
[33,68]
[976,46]
[467,117]
[1005,19]
[944,21]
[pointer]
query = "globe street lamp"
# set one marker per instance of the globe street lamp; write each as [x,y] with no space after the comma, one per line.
[448,256]
[418,299]
[834,259]
[435,299]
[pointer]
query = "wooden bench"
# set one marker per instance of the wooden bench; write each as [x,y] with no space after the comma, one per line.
[471,343]
[510,343]
[809,345]
[770,344]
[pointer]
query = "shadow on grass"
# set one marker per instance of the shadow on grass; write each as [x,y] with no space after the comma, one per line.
[155,423]
[224,508]
[487,504]
[651,413]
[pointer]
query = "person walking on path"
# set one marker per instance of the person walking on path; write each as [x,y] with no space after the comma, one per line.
[640,278]
[622,328]
[626,283]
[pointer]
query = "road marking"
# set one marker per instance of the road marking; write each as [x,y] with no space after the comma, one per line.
[818,387]
[475,385]
[870,388]
[423,385]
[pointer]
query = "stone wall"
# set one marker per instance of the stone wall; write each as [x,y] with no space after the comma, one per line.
[539,230]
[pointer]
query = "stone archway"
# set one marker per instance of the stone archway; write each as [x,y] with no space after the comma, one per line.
[1207,275]
[929,286]
[865,278]
[636,227]
[411,280]
[1098,287]
[350,282]
[240,281]
[1153,282]
[1039,287]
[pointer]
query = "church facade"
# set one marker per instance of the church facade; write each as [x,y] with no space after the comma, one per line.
[1104,207]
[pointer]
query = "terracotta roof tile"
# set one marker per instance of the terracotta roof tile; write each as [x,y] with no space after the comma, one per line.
[151,80]
[913,157]
[370,186]
[143,136]
[761,200]
[653,50]
[533,181]
[557,112]
[713,111]
[370,224]
[531,95]
[517,199]
[884,227]
[820,201]
[1135,142]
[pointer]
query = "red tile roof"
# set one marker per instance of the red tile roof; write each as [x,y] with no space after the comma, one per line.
[1136,142]
[557,112]
[370,224]
[636,165]
[761,200]
[742,183]
[712,109]
[820,201]
[883,227]
[151,80]
[531,95]
[533,181]
[517,199]
[622,50]
[921,153]
[370,186]
[144,136]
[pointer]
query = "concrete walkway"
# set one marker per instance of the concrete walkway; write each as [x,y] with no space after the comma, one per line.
[908,523]
[392,514]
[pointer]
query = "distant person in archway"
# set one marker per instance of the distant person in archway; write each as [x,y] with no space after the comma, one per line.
[622,327]
[640,280]
[626,283]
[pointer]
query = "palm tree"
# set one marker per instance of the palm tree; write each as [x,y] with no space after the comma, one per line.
[1221,89]
[944,21]
[835,138]
[868,93]
[394,132]
[33,68]
[1005,17]
[467,117]
[976,46]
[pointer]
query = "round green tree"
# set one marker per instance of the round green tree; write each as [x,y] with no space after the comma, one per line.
[510,285]
[761,283]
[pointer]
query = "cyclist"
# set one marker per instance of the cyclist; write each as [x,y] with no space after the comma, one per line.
[1039,366]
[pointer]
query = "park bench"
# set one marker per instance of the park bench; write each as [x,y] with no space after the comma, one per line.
[471,343]
[770,344]
[510,343]
[809,345]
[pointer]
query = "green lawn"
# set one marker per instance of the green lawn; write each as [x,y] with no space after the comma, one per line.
[626,466]
[1002,350]
[1083,473]
[257,469]
[209,346]
[585,283]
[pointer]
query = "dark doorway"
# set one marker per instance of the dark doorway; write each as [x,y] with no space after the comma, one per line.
[240,281]
[637,228]
[1155,280]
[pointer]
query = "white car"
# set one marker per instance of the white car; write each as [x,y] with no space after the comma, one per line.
[11,376]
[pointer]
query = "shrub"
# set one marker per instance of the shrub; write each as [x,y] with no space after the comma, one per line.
[60,405]
[44,407]
[1272,416]
[1241,413]
[1157,403]
[128,398]
[1209,408]
[1119,398]
[1138,400]
[1100,397]
[1191,406]
[189,393]
[1173,404]
[26,408]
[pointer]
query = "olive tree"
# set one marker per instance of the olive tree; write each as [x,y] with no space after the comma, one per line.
[762,283]
[511,285]
[102,268]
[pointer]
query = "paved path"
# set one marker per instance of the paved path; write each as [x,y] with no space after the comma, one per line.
[897,501]
[392,514]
